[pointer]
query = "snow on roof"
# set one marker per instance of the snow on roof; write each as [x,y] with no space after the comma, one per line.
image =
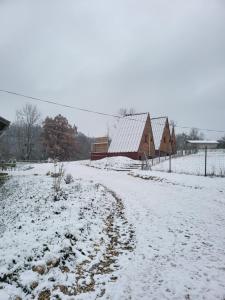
[4,121]
[128,134]
[202,142]
[158,125]
[3,125]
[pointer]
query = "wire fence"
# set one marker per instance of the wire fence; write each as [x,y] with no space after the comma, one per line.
[200,163]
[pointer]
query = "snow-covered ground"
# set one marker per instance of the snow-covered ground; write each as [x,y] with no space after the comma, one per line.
[65,247]
[137,235]
[195,163]
[118,163]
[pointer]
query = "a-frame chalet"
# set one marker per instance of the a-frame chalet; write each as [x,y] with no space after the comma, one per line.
[133,137]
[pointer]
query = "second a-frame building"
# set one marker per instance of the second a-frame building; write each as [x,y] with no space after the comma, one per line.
[162,136]
[133,137]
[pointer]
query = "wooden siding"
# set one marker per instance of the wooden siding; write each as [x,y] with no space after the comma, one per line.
[100,145]
[147,145]
[165,145]
[96,156]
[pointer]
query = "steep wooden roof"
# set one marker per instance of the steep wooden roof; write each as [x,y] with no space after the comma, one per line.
[128,133]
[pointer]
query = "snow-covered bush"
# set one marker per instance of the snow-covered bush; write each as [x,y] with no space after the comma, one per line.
[68,179]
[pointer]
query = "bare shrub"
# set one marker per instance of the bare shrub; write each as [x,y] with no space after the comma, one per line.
[213,171]
[222,172]
[57,178]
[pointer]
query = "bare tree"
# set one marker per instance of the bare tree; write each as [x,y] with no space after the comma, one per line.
[194,134]
[126,111]
[27,120]
[182,138]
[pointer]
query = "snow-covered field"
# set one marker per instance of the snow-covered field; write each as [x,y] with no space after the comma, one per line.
[195,163]
[112,235]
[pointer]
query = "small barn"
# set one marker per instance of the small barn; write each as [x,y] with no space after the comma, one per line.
[162,137]
[99,149]
[4,124]
[133,137]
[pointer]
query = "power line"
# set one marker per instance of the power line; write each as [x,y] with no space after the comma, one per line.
[65,105]
[57,103]
[54,102]
[201,129]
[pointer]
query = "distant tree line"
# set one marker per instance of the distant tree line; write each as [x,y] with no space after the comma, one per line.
[194,134]
[28,138]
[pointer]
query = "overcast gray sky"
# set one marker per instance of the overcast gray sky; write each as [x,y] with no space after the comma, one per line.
[162,56]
